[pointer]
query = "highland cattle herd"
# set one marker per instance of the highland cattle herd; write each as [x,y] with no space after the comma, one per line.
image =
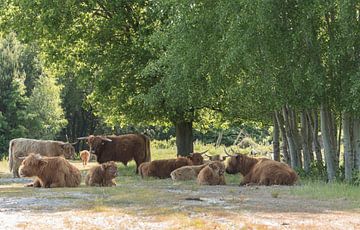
[46,161]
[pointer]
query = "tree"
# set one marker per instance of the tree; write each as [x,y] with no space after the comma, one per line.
[46,116]
[12,91]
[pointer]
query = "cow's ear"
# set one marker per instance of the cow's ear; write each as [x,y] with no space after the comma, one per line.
[42,163]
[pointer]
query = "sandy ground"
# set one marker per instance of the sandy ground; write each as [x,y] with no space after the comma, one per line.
[209,207]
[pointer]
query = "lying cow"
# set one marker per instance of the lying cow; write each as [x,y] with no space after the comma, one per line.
[261,171]
[144,169]
[163,168]
[102,175]
[212,174]
[50,172]
[85,157]
[187,172]
[21,147]
[123,148]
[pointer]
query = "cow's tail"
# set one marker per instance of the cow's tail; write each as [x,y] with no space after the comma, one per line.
[147,148]
[11,160]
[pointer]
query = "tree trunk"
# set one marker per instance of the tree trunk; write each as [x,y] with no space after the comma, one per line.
[218,141]
[317,146]
[356,139]
[276,142]
[310,135]
[184,138]
[238,137]
[298,137]
[329,148]
[280,121]
[291,139]
[306,145]
[348,148]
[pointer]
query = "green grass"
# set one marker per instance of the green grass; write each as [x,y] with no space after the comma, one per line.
[327,191]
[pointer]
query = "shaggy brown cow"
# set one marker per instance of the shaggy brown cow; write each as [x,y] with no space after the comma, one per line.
[212,174]
[261,171]
[102,175]
[21,147]
[50,171]
[121,148]
[85,157]
[187,172]
[163,168]
[144,169]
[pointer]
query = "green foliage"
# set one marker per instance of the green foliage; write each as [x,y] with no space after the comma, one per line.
[12,91]
[44,109]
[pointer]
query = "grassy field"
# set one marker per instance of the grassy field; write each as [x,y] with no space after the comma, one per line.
[153,203]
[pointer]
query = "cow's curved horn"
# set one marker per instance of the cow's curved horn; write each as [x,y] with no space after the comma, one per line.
[82,138]
[74,143]
[106,139]
[204,152]
[226,152]
[207,155]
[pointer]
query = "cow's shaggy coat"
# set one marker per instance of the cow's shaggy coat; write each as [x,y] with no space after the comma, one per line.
[144,169]
[50,172]
[163,168]
[21,147]
[212,174]
[261,171]
[187,172]
[102,175]
[123,148]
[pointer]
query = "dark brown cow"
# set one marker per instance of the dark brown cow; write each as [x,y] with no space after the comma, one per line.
[261,171]
[50,172]
[123,148]
[163,168]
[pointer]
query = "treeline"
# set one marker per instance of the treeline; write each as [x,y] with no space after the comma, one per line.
[195,63]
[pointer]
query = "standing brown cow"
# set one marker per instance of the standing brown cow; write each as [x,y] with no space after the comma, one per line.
[261,171]
[123,148]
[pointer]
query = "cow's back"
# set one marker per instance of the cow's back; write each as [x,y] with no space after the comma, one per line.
[123,148]
[23,146]
[273,172]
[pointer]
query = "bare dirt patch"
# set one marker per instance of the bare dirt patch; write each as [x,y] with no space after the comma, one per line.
[163,204]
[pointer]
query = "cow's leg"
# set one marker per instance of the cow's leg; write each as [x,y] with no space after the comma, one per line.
[246,180]
[138,163]
[16,167]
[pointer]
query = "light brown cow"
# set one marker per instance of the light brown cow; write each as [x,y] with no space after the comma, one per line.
[212,174]
[102,175]
[85,157]
[144,169]
[261,171]
[21,147]
[187,172]
[50,172]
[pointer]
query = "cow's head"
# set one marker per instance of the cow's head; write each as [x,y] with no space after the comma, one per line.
[197,158]
[110,169]
[218,167]
[237,163]
[96,143]
[31,165]
[68,150]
